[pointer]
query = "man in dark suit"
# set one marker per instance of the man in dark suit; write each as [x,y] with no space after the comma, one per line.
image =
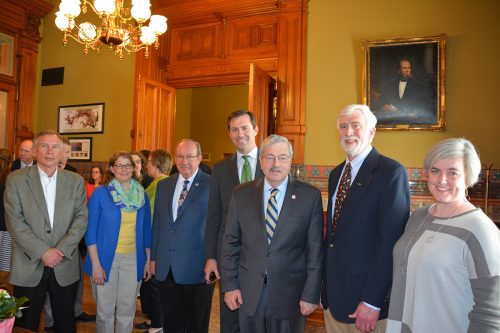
[177,245]
[46,215]
[368,207]
[272,250]
[405,99]
[25,156]
[227,174]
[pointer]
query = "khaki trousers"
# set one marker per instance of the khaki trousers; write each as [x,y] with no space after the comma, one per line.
[334,326]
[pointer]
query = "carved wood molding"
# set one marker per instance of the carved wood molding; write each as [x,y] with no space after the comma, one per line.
[22,19]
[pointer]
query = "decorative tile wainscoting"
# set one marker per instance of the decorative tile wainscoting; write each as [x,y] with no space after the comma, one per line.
[486,193]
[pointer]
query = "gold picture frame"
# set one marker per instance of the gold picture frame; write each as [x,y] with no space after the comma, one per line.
[404,82]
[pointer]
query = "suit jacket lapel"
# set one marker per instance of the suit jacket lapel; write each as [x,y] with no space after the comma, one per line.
[258,206]
[287,207]
[170,195]
[233,169]
[35,185]
[62,193]
[194,190]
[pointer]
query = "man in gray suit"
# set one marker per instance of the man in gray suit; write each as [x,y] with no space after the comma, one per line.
[272,249]
[240,167]
[46,215]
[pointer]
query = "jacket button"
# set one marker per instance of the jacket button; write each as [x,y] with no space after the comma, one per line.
[269,254]
[172,231]
[332,245]
[48,231]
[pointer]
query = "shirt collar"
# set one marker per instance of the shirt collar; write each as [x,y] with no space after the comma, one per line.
[252,153]
[282,187]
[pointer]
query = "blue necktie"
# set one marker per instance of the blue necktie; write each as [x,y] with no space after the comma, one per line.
[271,215]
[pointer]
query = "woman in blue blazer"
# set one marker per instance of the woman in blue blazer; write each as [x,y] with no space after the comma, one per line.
[118,238]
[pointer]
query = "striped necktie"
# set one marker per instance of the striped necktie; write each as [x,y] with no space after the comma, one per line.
[271,215]
[246,171]
[344,185]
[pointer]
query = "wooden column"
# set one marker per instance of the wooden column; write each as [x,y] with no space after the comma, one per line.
[21,19]
[292,29]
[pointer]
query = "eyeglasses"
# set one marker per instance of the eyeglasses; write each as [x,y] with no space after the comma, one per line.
[281,158]
[189,158]
[126,166]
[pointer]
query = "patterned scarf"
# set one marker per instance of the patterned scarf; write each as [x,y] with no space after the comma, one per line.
[128,201]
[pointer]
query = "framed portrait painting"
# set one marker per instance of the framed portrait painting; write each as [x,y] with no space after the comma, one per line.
[404,82]
[81,149]
[81,119]
[7,59]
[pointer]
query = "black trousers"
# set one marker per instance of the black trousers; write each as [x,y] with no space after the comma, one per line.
[151,302]
[62,300]
[186,307]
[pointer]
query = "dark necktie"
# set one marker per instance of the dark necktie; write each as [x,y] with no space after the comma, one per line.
[271,215]
[184,193]
[344,184]
[246,171]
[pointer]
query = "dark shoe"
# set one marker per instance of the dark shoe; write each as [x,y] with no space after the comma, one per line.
[85,317]
[49,329]
[142,326]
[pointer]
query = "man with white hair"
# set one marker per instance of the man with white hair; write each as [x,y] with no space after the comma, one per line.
[368,207]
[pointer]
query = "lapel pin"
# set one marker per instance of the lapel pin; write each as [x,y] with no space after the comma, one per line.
[359,183]
[196,184]
[293,196]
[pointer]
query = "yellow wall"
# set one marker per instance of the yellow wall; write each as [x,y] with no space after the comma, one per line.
[335,31]
[334,60]
[210,108]
[87,79]
[183,114]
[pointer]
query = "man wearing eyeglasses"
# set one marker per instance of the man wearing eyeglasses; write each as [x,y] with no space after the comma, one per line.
[25,156]
[46,215]
[272,250]
[178,240]
[240,167]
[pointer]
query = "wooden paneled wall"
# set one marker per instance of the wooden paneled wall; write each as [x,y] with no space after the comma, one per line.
[21,19]
[213,42]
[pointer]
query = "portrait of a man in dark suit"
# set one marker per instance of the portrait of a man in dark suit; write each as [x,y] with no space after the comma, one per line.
[405,98]
[403,82]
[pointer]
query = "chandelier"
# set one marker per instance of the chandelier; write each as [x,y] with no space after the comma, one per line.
[120,28]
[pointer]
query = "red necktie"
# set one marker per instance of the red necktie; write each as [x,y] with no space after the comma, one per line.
[344,184]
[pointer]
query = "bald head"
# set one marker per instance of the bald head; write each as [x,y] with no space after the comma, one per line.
[26,151]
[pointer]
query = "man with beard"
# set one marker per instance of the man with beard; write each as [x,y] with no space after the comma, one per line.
[405,98]
[368,206]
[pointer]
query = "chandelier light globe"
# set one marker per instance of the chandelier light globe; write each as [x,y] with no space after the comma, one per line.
[63,23]
[148,35]
[158,23]
[70,8]
[87,32]
[123,29]
[141,12]
[104,6]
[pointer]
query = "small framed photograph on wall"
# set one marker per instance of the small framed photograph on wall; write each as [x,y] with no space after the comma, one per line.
[81,149]
[404,82]
[81,119]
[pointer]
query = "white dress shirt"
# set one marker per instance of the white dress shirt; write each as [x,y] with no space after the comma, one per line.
[178,190]
[49,191]
[252,160]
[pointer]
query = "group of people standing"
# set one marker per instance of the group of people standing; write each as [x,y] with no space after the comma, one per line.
[262,233]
